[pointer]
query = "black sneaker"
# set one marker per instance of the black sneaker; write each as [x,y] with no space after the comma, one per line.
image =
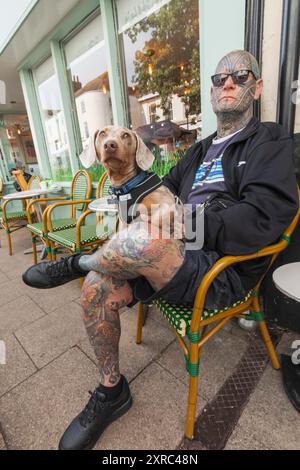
[85,430]
[53,273]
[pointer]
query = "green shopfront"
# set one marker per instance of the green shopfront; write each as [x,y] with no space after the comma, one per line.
[87,64]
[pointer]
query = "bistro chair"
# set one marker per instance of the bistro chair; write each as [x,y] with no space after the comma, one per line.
[192,322]
[19,177]
[15,220]
[83,237]
[80,193]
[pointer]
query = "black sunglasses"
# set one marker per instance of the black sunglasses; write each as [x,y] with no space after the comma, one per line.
[239,77]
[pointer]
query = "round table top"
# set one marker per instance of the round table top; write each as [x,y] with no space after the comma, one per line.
[25,194]
[104,204]
[287,279]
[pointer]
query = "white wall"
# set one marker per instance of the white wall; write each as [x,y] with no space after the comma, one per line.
[222,29]
[270,58]
[11,12]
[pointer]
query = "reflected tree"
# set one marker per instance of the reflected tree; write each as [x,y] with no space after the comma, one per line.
[169,62]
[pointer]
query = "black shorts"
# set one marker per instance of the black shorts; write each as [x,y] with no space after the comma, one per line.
[225,290]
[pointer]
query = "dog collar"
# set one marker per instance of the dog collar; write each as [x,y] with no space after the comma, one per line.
[128,202]
[127,187]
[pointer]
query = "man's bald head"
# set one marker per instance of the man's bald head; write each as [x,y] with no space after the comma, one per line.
[232,99]
[238,60]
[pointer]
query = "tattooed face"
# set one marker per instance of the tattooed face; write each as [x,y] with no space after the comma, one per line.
[235,98]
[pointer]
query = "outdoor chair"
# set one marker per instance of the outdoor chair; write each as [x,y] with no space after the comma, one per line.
[192,322]
[12,220]
[19,177]
[80,193]
[15,220]
[82,237]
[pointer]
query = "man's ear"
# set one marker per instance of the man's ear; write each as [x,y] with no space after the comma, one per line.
[144,158]
[259,88]
[89,154]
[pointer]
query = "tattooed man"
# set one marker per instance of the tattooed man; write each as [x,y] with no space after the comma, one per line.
[244,172]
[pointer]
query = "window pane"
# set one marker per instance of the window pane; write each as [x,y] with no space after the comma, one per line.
[162,68]
[87,68]
[53,119]
[17,145]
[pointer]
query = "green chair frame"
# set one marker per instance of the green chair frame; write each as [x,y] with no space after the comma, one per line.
[80,193]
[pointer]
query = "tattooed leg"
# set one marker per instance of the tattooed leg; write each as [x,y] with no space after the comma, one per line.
[135,253]
[101,298]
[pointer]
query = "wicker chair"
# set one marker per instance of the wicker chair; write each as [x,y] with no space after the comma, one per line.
[82,237]
[81,188]
[192,322]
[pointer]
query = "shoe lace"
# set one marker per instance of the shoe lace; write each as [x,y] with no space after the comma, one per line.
[93,407]
[58,268]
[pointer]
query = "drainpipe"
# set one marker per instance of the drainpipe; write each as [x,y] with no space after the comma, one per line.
[289,63]
[253,36]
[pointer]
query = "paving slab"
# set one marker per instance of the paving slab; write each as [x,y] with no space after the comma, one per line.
[51,299]
[18,365]
[134,357]
[287,345]
[49,337]
[157,417]
[12,289]
[269,417]
[218,360]
[35,414]
[17,314]
[3,277]
[239,440]
[2,443]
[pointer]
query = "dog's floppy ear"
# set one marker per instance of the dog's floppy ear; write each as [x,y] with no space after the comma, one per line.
[144,158]
[89,153]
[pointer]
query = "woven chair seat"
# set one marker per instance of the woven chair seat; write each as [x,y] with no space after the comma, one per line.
[59,224]
[13,216]
[67,238]
[179,316]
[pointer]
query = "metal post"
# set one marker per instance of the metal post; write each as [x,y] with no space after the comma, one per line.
[69,112]
[254,35]
[35,122]
[289,63]
[114,62]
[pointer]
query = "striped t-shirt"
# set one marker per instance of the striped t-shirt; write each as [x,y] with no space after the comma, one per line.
[209,176]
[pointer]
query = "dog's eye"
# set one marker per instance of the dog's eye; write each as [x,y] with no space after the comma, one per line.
[125,135]
[102,133]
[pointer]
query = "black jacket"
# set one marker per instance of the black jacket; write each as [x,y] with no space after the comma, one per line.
[260,178]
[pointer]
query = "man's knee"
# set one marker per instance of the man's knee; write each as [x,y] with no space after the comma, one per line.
[100,289]
[92,289]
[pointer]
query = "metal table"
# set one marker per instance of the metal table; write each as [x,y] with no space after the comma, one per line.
[287,279]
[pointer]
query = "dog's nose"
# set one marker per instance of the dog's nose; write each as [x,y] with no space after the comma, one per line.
[111,145]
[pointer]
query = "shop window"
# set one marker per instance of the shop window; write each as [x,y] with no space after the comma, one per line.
[162,73]
[53,120]
[17,145]
[85,54]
